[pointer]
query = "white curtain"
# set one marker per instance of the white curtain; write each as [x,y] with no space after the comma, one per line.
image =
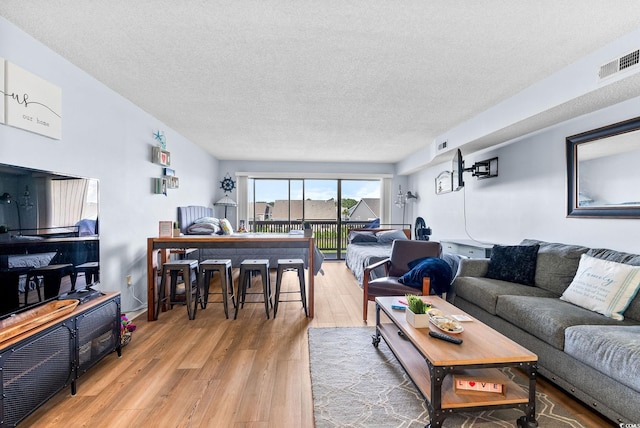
[68,199]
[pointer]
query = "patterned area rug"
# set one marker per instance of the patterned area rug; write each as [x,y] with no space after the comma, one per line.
[357,385]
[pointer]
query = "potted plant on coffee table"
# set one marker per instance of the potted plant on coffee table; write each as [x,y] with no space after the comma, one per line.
[416,312]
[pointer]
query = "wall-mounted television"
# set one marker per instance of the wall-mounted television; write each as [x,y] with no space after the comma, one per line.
[457,168]
[483,169]
[46,218]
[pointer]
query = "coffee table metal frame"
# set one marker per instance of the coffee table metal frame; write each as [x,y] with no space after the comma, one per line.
[434,379]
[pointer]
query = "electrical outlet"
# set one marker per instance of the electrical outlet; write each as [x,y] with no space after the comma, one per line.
[129,280]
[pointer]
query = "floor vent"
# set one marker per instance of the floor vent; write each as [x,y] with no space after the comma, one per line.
[619,64]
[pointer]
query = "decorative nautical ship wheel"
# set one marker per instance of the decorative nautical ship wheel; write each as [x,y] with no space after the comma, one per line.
[227,184]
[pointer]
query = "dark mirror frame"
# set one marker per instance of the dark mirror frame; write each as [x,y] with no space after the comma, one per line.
[573,142]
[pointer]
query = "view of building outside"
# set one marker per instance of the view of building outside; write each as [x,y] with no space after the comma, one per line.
[329,207]
[305,199]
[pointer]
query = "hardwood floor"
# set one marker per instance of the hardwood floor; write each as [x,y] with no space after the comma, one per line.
[214,372]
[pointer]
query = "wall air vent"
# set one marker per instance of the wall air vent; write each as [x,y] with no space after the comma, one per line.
[442,145]
[619,64]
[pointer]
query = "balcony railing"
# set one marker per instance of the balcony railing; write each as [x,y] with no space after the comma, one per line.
[331,237]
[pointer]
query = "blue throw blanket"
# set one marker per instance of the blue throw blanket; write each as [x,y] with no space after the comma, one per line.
[435,268]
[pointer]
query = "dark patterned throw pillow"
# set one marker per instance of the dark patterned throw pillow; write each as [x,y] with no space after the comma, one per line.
[515,263]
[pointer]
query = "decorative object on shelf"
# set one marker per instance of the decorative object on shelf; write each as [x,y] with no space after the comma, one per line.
[402,199]
[172,182]
[416,313]
[165,229]
[160,156]
[126,329]
[160,186]
[159,135]
[444,182]
[471,383]
[242,228]
[176,230]
[227,184]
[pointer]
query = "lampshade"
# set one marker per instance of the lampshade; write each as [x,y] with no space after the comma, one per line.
[226,202]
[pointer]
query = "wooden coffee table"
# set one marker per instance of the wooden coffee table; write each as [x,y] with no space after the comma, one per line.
[431,363]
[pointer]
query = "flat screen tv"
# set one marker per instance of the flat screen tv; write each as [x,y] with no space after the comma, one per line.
[457,169]
[46,218]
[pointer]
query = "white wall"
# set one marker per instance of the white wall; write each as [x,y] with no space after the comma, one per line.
[107,137]
[528,198]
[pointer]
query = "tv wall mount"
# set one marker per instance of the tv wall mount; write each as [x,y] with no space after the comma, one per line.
[484,169]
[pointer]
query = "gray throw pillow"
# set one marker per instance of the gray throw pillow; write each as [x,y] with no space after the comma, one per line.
[515,263]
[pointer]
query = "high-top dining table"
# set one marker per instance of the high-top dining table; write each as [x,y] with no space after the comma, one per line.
[158,251]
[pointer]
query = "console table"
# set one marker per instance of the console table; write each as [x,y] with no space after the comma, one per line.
[37,364]
[467,248]
[431,363]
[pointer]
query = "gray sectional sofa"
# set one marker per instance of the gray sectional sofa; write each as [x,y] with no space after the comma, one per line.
[591,356]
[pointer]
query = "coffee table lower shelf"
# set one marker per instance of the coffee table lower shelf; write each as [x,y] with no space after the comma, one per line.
[436,383]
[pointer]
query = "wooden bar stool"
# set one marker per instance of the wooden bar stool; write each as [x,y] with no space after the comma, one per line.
[247,267]
[207,270]
[290,265]
[176,268]
[51,279]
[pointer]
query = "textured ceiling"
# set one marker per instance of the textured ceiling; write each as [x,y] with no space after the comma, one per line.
[369,80]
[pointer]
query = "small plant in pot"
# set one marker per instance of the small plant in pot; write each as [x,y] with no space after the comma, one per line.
[417,311]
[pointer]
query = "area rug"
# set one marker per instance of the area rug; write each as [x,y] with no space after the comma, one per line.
[355,384]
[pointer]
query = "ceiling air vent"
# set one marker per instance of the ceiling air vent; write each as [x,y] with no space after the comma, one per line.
[619,64]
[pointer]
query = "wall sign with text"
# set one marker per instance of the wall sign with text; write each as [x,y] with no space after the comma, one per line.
[30,102]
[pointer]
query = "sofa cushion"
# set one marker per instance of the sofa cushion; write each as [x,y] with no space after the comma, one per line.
[484,292]
[612,350]
[633,311]
[556,264]
[603,286]
[514,263]
[547,318]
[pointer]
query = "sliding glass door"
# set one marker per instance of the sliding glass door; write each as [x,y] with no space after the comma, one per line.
[331,207]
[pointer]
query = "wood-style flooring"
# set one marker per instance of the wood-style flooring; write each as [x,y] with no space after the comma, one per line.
[217,372]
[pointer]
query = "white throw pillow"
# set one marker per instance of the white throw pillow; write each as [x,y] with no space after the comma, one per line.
[603,286]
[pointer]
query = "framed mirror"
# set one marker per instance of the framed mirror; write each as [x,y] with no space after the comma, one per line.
[603,172]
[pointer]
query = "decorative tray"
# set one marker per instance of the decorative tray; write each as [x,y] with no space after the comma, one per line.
[443,322]
[34,318]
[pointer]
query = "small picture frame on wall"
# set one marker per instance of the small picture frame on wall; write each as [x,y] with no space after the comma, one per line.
[161,157]
[169,172]
[444,182]
[173,182]
[165,229]
[160,186]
